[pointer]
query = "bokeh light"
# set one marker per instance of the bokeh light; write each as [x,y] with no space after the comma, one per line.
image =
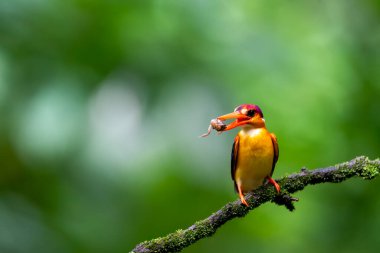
[102,103]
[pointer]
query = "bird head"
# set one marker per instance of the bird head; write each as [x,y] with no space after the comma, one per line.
[244,115]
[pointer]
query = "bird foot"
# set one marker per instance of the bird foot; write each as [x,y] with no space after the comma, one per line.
[275,184]
[242,199]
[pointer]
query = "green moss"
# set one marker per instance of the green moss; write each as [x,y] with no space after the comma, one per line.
[360,166]
[370,170]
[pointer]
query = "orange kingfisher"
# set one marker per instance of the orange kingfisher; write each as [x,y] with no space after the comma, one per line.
[254,152]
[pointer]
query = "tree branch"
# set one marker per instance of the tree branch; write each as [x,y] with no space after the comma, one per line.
[175,242]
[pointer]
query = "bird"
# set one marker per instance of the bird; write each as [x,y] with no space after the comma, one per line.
[254,152]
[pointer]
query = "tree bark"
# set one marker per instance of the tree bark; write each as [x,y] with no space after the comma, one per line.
[175,242]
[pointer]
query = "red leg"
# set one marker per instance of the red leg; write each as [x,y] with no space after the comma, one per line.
[277,186]
[242,199]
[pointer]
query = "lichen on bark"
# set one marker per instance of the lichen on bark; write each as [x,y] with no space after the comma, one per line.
[360,166]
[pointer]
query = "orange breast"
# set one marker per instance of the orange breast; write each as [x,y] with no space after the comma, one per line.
[255,158]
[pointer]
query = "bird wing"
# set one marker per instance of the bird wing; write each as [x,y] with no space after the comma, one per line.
[234,158]
[276,151]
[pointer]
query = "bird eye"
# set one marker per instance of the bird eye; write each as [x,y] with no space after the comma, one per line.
[250,113]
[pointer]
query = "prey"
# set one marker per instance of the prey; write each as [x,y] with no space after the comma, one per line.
[217,125]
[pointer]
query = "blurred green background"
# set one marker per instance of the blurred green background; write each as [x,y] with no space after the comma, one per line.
[102,103]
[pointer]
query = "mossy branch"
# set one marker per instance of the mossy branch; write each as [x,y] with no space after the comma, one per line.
[175,242]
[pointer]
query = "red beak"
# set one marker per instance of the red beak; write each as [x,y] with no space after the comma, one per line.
[241,119]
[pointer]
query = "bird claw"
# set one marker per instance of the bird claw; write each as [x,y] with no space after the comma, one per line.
[274,183]
[244,202]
